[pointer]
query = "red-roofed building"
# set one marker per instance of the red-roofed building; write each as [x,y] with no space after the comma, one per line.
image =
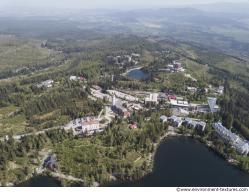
[133,126]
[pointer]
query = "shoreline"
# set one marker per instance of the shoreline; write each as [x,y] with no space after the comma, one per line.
[132,69]
[151,156]
[208,144]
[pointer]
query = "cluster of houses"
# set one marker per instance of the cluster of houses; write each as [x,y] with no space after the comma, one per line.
[187,122]
[124,60]
[122,104]
[175,67]
[76,78]
[211,106]
[45,84]
[217,90]
[84,126]
[241,146]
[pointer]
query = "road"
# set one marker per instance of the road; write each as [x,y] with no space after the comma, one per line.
[18,137]
[67,177]
[108,115]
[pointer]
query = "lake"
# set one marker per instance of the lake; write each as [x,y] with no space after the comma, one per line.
[138,74]
[186,162]
[180,161]
[41,181]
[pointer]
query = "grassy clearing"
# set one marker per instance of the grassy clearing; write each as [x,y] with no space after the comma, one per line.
[46,116]
[16,53]
[234,66]
[5,111]
[16,125]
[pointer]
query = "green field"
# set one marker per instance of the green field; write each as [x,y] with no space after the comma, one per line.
[16,53]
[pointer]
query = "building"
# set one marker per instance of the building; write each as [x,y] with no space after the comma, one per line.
[171,97]
[133,126]
[152,98]
[136,55]
[46,84]
[176,66]
[241,146]
[73,78]
[98,94]
[162,96]
[123,60]
[118,108]
[86,125]
[123,96]
[175,121]
[198,125]
[50,163]
[192,89]
[212,104]
[220,90]
[179,103]
[163,119]
[183,112]
[134,106]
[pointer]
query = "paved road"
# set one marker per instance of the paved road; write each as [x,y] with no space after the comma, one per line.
[18,137]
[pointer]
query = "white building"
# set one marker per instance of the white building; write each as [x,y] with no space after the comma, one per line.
[123,95]
[73,78]
[47,84]
[212,104]
[238,143]
[118,108]
[135,55]
[163,119]
[152,98]
[192,89]
[86,125]
[183,111]
[220,90]
[98,94]
[179,103]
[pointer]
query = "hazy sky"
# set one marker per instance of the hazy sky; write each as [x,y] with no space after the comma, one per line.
[91,4]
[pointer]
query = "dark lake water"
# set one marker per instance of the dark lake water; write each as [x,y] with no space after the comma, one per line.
[41,181]
[186,162]
[180,162]
[138,74]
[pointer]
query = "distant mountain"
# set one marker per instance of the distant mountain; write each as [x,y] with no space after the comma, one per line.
[186,16]
[232,8]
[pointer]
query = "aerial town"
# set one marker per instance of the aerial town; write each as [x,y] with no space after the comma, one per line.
[151,97]
[122,103]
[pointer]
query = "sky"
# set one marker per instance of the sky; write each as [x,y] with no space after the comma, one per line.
[102,4]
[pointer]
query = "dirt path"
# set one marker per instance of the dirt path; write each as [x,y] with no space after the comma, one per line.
[67,177]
